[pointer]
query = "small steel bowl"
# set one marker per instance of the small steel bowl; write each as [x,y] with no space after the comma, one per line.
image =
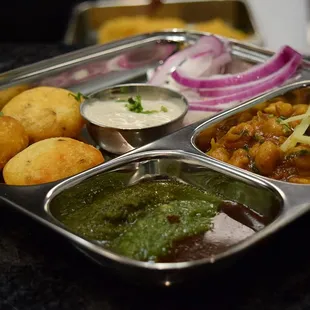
[119,141]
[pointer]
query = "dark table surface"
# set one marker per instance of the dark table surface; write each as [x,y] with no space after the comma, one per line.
[40,270]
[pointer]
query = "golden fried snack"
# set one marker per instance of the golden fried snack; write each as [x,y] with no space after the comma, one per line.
[7,94]
[50,160]
[123,27]
[219,27]
[13,139]
[46,112]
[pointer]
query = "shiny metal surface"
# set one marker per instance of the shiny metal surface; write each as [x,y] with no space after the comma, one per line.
[87,16]
[288,201]
[120,141]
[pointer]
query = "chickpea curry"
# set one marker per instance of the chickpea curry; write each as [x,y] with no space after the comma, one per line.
[270,139]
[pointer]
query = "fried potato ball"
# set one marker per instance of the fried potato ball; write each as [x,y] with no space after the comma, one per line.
[50,160]
[123,27]
[13,139]
[46,112]
[7,94]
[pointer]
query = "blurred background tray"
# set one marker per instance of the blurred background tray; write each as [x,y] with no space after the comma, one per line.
[88,16]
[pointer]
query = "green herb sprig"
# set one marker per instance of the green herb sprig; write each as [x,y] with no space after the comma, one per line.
[297,154]
[286,128]
[135,105]
[78,96]
[1,114]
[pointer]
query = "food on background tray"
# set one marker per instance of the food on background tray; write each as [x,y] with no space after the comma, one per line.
[204,73]
[7,94]
[123,27]
[126,26]
[219,27]
[149,221]
[50,160]
[13,138]
[46,112]
[271,140]
[134,112]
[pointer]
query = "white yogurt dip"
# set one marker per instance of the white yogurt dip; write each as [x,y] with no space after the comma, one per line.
[111,113]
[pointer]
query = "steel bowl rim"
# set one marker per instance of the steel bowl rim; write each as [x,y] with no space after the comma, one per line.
[175,120]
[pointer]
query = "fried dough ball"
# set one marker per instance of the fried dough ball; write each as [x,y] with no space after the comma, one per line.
[7,94]
[13,139]
[50,160]
[46,112]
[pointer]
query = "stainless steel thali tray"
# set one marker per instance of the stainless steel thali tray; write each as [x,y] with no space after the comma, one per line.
[88,16]
[175,155]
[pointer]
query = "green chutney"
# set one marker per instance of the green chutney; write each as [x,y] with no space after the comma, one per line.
[140,221]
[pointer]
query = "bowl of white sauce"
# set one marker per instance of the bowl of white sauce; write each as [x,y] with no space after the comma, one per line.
[125,117]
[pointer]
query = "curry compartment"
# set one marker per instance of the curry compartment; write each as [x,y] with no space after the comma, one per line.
[164,208]
[230,18]
[270,138]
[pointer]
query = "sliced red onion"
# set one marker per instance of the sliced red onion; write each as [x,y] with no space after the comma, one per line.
[218,64]
[225,91]
[279,78]
[205,44]
[257,72]
[198,66]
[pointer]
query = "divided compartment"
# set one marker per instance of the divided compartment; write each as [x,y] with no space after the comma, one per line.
[265,115]
[259,204]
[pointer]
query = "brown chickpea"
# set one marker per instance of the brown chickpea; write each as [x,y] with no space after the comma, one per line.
[219,153]
[273,128]
[238,136]
[267,157]
[300,155]
[253,150]
[299,109]
[240,159]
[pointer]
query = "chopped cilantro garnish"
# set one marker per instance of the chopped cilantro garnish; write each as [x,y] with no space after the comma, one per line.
[258,138]
[135,105]
[246,147]
[149,111]
[286,127]
[78,96]
[163,109]
[280,119]
[254,168]
[297,154]
[244,132]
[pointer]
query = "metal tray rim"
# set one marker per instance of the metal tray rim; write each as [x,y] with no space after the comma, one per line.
[277,224]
